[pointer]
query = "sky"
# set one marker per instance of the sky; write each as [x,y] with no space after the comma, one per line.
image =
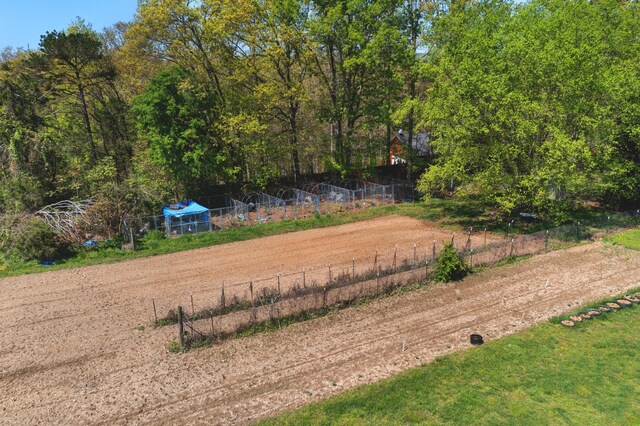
[22,22]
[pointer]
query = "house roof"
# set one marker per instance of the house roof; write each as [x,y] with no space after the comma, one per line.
[421,142]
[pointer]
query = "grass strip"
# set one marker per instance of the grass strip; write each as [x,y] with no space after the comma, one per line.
[433,210]
[548,374]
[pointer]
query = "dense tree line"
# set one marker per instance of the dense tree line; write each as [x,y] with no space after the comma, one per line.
[530,106]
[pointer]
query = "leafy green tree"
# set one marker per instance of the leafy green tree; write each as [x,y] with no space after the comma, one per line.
[178,117]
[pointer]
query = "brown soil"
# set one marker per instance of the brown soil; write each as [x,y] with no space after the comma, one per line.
[77,345]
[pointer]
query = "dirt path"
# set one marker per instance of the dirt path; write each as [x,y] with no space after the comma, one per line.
[72,350]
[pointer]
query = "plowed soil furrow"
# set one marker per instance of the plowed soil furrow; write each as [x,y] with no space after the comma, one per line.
[77,345]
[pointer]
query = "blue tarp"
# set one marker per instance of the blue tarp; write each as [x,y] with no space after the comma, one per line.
[191,207]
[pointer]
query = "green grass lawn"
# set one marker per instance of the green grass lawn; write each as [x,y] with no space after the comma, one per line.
[629,239]
[547,374]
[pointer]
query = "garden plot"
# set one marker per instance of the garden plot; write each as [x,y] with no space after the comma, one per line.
[78,346]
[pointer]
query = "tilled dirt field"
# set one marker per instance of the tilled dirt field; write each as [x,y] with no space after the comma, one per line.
[77,346]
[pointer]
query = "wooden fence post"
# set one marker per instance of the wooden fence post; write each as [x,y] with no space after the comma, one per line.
[415,255]
[485,237]
[375,260]
[395,257]
[433,255]
[304,278]
[329,274]
[193,310]
[155,313]
[279,293]
[511,252]
[181,326]
[251,290]
[222,298]
[353,268]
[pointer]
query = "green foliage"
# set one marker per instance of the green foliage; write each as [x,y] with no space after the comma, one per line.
[629,239]
[178,117]
[451,266]
[29,238]
[152,240]
[528,106]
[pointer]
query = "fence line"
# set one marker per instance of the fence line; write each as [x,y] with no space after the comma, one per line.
[236,306]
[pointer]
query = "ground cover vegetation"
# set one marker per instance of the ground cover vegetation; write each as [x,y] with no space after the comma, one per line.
[529,107]
[546,374]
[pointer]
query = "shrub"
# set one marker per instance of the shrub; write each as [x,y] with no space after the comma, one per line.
[31,240]
[451,266]
[152,239]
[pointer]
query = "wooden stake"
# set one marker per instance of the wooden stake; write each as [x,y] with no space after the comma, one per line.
[434,250]
[251,290]
[485,237]
[155,313]
[353,268]
[193,310]
[304,279]
[395,256]
[329,273]
[415,255]
[181,326]
[279,285]
[222,298]
[375,260]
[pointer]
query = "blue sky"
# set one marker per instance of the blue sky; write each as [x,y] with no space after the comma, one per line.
[22,22]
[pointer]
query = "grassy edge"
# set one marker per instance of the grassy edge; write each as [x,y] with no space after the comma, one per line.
[350,407]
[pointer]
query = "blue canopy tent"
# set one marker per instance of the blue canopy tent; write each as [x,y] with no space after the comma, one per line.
[187,217]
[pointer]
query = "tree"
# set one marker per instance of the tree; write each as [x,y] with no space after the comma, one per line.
[70,60]
[178,117]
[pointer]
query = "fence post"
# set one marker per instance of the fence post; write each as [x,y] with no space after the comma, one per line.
[251,290]
[279,293]
[468,245]
[546,240]
[578,231]
[378,281]
[353,268]
[181,326]
[485,237]
[395,257]
[324,297]
[375,260]
[304,278]
[415,255]
[471,258]
[511,252]
[222,298]
[155,313]
[329,274]
[433,256]
[193,310]
[426,269]
[453,238]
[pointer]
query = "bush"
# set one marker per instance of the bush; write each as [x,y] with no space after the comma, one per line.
[152,239]
[32,239]
[451,266]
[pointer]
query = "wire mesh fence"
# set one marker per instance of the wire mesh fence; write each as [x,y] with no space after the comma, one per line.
[259,207]
[233,307]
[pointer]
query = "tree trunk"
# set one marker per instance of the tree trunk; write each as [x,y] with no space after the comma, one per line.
[87,122]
